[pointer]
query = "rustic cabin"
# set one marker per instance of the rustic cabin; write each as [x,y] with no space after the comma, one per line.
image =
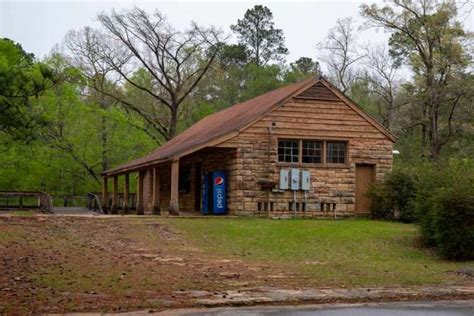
[303,149]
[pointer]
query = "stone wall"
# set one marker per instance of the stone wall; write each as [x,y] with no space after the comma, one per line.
[332,187]
[209,160]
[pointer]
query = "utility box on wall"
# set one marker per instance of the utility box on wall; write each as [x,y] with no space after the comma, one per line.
[295,179]
[305,180]
[284,179]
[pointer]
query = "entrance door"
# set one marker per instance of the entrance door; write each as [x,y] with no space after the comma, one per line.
[365,177]
[197,187]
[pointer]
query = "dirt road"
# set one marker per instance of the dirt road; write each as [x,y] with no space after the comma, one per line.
[57,264]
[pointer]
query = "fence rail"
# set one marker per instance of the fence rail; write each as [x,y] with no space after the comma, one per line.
[95,203]
[26,200]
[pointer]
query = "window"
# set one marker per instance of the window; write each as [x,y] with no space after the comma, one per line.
[336,152]
[312,151]
[318,152]
[288,150]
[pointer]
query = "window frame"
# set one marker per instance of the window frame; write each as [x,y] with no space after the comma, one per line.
[321,149]
[324,151]
[298,150]
[327,152]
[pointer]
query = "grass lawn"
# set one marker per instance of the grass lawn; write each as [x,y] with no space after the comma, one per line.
[327,252]
[55,264]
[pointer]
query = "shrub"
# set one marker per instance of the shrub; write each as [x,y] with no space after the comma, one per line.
[439,197]
[392,198]
[453,224]
[444,207]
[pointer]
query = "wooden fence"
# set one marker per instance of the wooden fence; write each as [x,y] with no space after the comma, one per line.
[26,200]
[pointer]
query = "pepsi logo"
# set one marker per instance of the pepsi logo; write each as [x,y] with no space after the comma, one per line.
[218,180]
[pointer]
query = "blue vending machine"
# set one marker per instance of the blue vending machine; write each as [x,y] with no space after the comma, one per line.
[214,193]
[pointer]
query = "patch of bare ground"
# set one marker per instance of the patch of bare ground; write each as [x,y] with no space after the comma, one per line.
[60,264]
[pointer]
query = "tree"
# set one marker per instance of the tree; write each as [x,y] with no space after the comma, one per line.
[232,55]
[67,155]
[175,62]
[21,80]
[305,66]
[256,32]
[428,36]
[340,53]
[384,83]
[302,68]
[87,56]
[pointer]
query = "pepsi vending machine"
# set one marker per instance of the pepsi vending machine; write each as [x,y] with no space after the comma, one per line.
[214,193]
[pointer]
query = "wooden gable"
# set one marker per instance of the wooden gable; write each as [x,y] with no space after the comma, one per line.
[320,111]
[318,91]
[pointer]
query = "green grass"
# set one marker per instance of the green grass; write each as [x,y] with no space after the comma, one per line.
[342,253]
[22,213]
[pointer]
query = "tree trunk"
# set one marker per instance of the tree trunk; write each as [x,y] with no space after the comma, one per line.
[104,143]
[173,122]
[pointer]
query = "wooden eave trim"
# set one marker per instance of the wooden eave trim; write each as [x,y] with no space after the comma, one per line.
[210,143]
[135,167]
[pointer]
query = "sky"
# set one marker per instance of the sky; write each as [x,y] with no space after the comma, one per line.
[40,25]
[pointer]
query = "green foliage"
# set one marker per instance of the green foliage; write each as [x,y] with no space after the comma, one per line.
[444,190]
[21,80]
[301,69]
[234,84]
[232,55]
[78,140]
[452,223]
[439,197]
[257,33]
[392,198]
[429,38]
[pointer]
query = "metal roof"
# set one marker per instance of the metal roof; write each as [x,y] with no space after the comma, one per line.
[230,121]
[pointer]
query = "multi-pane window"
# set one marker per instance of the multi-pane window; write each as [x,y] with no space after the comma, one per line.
[336,152]
[312,151]
[288,150]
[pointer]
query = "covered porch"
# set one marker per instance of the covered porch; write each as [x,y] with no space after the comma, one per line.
[167,186]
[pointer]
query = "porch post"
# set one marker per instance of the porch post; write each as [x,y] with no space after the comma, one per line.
[105,194]
[174,204]
[156,192]
[125,194]
[140,210]
[114,194]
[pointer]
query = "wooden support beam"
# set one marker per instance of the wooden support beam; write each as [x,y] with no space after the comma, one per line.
[156,192]
[126,190]
[140,209]
[105,195]
[174,196]
[114,195]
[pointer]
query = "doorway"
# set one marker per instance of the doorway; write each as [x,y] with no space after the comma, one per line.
[365,177]
[197,187]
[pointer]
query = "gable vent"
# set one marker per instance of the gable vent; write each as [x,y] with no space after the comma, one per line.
[318,92]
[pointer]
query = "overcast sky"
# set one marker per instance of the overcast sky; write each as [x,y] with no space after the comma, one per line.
[39,25]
